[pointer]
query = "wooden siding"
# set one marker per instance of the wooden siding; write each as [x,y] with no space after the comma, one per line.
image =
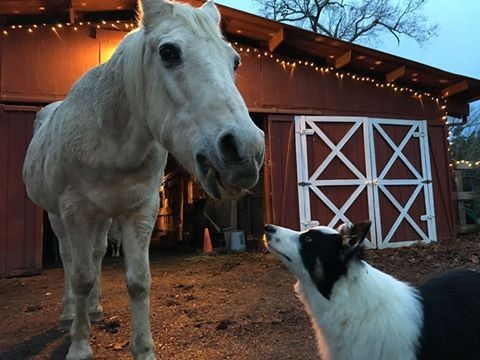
[42,67]
[268,87]
[20,219]
[281,194]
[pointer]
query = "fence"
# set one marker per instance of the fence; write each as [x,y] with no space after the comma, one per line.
[467,198]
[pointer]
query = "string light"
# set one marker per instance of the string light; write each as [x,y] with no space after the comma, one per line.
[465,163]
[292,63]
[31,28]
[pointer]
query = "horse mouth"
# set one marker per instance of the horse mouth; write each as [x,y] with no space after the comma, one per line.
[213,183]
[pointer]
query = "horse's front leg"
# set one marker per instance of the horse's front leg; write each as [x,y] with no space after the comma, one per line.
[85,232]
[136,232]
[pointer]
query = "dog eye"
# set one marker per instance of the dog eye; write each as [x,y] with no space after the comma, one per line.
[170,54]
[236,63]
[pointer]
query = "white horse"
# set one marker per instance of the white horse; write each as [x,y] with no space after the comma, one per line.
[100,153]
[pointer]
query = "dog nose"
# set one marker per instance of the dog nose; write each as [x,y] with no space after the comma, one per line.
[270,229]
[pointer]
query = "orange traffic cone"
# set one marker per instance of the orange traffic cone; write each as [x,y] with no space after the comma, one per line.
[207,242]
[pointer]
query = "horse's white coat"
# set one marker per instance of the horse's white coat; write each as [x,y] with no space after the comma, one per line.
[100,153]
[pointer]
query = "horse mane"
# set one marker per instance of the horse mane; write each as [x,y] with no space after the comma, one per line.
[208,29]
[133,49]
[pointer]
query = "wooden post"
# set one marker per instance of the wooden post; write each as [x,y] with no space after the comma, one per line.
[234,214]
[181,200]
[460,202]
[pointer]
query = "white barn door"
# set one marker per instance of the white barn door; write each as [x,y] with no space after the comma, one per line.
[352,169]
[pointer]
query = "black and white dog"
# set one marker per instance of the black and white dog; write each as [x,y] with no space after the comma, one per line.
[362,313]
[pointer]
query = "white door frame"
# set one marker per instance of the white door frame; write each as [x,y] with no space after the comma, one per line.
[370,180]
[306,183]
[422,181]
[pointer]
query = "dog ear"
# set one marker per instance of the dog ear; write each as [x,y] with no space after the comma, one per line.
[353,234]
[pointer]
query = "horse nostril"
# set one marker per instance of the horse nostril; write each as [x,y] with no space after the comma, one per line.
[229,149]
[270,229]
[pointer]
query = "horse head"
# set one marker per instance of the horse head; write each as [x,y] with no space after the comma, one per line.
[193,108]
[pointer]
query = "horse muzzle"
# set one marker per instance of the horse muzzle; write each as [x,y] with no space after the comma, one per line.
[233,164]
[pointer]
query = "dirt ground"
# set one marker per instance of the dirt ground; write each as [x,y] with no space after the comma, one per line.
[231,306]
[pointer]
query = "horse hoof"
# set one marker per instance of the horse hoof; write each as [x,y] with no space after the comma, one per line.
[79,351]
[148,356]
[89,357]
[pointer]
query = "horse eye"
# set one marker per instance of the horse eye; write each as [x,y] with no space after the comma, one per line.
[236,63]
[170,54]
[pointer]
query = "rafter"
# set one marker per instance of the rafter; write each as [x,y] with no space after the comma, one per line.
[396,74]
[343,60]
[276,40]
[455,88]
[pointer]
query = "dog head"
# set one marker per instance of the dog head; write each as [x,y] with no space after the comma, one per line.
[321,254]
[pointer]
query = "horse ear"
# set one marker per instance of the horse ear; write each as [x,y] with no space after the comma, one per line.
[211,10]
[153,10]
[353,234]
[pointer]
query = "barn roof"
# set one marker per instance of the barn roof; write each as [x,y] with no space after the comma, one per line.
[265,34]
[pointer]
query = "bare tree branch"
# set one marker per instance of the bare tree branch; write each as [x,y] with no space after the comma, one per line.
[355,20]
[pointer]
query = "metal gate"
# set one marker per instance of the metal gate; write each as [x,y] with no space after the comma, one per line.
[352,168]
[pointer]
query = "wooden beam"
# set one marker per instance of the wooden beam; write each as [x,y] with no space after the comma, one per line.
[396,74]
[455,88]
[72,15]
[110,5]
[107,34]
[343,60]
[276,40]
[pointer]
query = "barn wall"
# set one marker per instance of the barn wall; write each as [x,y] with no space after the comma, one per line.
[267,85]
[42,67]
[302,91]
[20,219]
[281,194]
[442,187]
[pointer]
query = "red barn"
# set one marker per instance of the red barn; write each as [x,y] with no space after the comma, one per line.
[352,133]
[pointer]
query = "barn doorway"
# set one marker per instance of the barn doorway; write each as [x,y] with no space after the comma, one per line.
[378,167]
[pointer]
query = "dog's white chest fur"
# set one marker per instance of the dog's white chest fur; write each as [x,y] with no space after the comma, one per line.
[369,316]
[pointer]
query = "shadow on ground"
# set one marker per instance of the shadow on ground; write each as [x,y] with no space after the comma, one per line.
[37,344]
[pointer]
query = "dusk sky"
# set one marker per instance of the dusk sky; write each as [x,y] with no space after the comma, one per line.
[456,49]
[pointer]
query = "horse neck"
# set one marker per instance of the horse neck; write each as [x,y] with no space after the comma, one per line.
[123,128]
